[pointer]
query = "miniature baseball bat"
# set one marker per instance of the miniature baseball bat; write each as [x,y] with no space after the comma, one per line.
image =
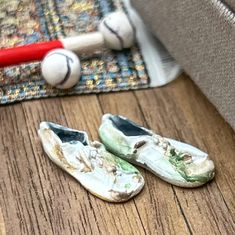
[115,32]
[37,51]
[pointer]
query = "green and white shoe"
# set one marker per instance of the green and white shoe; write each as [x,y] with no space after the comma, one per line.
[100,172]
[173,161]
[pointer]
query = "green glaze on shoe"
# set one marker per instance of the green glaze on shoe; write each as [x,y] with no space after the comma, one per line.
[173,161]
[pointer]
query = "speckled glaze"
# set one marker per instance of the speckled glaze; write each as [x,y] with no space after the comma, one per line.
[100,172]
[173,161]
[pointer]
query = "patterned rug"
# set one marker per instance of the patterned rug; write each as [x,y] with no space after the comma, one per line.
[30,21]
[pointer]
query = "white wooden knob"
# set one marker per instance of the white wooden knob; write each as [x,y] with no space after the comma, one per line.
[61,68]
[117,30]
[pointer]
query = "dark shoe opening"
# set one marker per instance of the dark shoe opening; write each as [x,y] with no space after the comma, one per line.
[67,135]
[127,127]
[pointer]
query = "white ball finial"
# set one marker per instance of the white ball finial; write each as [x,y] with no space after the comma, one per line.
[117,30]
[61,68]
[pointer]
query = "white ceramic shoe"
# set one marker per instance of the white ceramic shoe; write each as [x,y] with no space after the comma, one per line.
[173,161]
[100,172]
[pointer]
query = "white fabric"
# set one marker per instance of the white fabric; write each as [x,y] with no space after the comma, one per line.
[162,68]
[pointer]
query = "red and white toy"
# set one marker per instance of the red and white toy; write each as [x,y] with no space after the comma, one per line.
[115,32]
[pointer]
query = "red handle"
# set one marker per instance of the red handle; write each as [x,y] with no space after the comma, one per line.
[27,53]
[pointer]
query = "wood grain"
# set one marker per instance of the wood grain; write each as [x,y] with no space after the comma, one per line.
[2,224]
[36,197]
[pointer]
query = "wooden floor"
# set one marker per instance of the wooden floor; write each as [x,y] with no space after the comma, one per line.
[36,197]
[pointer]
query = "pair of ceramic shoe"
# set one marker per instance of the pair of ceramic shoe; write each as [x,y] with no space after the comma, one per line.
[100,168]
